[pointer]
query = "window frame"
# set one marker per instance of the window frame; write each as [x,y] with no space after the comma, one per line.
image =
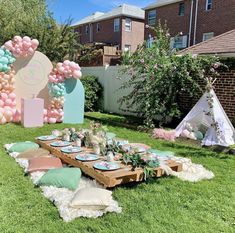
[154,19]
[130,25]
[129,46]
[181,9]
[87,29]
[98,27]
[115,25]
[209,5]
[206,34]
[179,42]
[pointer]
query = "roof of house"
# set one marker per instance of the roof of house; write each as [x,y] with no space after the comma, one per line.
[123,10]
[160,3]
[222,44]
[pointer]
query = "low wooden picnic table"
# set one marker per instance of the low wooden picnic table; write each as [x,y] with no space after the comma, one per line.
[108,178]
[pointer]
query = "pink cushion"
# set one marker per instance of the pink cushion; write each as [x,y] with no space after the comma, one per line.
[43,164]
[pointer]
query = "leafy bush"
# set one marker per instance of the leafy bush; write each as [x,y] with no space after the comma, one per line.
[159,76]
[93,93]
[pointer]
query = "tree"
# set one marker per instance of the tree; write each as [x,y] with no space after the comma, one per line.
[158,76]
[32,18]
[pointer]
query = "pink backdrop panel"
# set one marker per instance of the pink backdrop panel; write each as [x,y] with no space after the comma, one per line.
[32,77]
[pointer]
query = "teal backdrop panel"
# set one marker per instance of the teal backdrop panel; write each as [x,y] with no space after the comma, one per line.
[74,102]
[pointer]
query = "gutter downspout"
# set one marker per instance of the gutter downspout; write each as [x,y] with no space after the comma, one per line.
[195,25]
[190,24]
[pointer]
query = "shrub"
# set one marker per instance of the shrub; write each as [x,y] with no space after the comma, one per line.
[93,93]
[158,76]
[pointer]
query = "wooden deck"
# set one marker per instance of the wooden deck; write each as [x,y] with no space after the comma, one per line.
[108,178]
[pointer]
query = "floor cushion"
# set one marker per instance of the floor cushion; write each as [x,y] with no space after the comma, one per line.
[43,164]
[92,199]
[23,146]
[34,153]
[61,178]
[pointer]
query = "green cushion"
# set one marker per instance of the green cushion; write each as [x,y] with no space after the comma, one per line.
[61,178]
[23,146]
[198,135]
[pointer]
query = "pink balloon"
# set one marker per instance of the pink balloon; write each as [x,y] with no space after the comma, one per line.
[27,39]
[17,116]
[35,43]
[1,104]
[52,120]
[12,96]
[8,115]
[77,74]
[8,45]
[3,121]
[8,102]
[66,62]
[3,96]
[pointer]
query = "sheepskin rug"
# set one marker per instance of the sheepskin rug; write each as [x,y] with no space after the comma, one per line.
[61,197]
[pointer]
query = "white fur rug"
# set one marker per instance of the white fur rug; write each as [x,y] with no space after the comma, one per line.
[61,197]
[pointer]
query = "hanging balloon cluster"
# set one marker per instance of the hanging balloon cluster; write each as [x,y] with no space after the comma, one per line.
[56,87]
[12,49]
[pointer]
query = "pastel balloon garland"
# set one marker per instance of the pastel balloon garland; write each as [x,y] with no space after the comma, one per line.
[12,49]
[62,71]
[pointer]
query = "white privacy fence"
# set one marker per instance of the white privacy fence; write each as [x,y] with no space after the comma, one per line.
[111,80]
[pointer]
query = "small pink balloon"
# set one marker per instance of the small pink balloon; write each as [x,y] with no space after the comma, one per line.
[52,120]
[1,104]
[8,45]
[35,43]
[8,115]
[27,39]
[3,96]
[31,51]
[66,62]
[61,69]
[8,102]
[77,74]
[3,121]
[12,96]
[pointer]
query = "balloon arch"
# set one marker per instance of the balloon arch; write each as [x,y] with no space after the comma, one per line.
[24,47]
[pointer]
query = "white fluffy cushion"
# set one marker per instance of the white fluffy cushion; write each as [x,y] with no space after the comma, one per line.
[92,199]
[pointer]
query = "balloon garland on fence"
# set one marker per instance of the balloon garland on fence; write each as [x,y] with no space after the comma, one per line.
[12,49]
[56,86]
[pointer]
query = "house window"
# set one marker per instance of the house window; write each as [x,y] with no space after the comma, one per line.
[208,5]
[97,27]
[127,48]
[116,25]
[179,42]
[152,15]
[87,29]
[128,25]
[207,36]
[181,9]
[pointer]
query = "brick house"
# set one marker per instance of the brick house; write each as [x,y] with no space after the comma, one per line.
[195,20]
[223,46]
[122,27]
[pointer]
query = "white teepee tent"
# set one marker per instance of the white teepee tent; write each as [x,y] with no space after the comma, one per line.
[212,117]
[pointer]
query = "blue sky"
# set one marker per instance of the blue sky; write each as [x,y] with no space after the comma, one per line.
[78,9]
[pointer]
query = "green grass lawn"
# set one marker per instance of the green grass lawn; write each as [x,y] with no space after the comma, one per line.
[162,205]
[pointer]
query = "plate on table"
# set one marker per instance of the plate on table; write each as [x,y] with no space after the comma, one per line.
[47,138]
[160,153]
[71,149]
[138,147]
[107,166]
[87,157]
[60,144]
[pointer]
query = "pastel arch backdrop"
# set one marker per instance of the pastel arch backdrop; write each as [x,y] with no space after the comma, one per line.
[27,73]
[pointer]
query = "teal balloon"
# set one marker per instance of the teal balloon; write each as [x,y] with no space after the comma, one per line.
[6,59]
[198,135]
[56,89]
